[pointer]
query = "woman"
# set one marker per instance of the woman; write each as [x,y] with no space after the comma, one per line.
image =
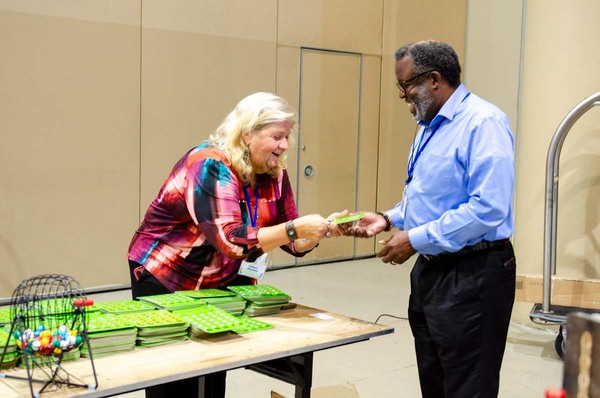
[227,201]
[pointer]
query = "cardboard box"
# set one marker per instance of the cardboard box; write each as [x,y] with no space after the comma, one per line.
[340,391]
[566,292]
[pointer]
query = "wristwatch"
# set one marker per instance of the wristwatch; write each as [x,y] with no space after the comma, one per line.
[290,231]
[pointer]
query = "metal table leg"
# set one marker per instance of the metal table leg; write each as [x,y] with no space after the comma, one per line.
[296,370]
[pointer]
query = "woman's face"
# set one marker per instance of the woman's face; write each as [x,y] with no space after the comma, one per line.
[267,145]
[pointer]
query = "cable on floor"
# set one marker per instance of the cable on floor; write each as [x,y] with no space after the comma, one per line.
[391,316]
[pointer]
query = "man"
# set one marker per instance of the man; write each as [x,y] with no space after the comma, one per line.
[456,213]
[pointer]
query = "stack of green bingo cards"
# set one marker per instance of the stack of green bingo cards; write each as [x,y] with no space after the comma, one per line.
[124,307]
[172,301]
[5,318]
[210,321]
[158,327]
[207,321]
[8,348]
[263,299]
[109,334]
[223,299]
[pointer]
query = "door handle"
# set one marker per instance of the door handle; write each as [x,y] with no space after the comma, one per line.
[309,171]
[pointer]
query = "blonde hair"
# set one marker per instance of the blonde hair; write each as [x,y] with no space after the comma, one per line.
[252,114]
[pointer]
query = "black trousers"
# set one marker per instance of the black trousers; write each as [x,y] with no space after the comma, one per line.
[143,283]
[459,312]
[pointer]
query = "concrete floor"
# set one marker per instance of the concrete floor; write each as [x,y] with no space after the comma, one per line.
[385,366]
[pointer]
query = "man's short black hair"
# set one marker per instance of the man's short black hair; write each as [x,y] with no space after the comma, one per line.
[433,55]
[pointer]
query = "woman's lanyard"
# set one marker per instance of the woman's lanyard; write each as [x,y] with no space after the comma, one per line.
[412,160]
[253,216]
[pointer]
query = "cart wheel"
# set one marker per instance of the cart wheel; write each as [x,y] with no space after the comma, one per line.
[560,342]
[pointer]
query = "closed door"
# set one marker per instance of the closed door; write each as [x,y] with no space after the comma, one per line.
[329,113]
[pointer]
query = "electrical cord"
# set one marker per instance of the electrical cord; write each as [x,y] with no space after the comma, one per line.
[391,316]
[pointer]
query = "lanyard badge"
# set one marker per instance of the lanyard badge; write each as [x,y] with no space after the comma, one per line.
[254,269]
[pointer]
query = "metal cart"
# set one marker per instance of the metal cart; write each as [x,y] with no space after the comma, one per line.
[546,313]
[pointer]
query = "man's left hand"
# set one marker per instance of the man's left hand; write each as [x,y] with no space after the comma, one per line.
[396,249]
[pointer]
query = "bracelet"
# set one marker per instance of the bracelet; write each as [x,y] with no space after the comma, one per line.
[290,231]
[388,221]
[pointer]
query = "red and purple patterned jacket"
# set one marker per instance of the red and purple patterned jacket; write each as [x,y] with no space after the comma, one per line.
[197,231]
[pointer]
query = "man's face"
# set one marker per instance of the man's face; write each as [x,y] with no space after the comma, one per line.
[414,90]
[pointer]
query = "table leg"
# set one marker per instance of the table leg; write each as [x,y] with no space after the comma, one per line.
[296,370]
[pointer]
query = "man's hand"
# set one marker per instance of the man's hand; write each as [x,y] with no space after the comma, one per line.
[370,225]
[397,249]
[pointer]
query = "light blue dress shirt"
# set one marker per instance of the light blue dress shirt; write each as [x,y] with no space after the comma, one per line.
[461,190]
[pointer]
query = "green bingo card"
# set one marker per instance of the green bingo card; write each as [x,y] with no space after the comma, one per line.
[209,319]
[172,301]
[107,322]
[124,306]
[206,293]
[262,293]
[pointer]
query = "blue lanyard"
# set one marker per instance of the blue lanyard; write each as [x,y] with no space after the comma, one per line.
[253,217]
[414,157]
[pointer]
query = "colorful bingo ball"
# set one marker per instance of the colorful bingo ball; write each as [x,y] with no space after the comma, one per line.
[35,345]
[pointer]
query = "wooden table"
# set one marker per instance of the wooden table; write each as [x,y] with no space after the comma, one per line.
[284,352]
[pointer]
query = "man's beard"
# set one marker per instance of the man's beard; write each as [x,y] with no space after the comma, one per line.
[422,102]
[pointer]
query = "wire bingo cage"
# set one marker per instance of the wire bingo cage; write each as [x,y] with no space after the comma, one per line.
[49,322]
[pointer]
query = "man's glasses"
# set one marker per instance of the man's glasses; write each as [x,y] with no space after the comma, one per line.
[405,84]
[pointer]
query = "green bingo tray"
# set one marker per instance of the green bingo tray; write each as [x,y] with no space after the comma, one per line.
[251,325]
[224,299]
[124,307]
[100,351]
[109,334]
[206,293]
[172,301]
[151,341]
[255,309]
[5,318]
[261,294]
[11,356]
[160,324]
[208,320]
[235,305]
[100,323]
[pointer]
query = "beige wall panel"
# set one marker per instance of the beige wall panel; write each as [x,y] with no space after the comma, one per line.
[348,25]
[368,148]
[194,71]
[561,63]
[329,136]
[69,122]
[404,22]
[288,72]
[493,58]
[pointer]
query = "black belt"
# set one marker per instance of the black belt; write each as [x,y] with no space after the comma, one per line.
[483,245]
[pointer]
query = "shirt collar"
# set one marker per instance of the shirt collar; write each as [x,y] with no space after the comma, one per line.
[449,108]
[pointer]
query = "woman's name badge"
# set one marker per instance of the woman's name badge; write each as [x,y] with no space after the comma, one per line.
[254,269]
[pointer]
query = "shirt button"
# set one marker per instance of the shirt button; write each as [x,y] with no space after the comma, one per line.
[231,239]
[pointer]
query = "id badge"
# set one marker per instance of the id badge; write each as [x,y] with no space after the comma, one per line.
[254,269]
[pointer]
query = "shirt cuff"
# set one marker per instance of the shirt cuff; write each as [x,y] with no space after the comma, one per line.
[396,217]
[418,237]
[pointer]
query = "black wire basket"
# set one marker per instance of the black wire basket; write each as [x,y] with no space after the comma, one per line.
[49,325]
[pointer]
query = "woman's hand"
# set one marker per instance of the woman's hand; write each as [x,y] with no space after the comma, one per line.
[340,229]
[313,227]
